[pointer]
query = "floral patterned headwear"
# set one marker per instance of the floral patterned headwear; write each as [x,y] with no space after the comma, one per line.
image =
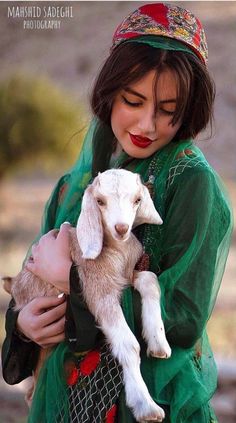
[167,22]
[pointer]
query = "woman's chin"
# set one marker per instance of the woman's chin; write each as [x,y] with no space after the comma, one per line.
[138,153]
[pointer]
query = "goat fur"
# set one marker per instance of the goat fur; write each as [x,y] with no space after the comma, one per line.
[106,252]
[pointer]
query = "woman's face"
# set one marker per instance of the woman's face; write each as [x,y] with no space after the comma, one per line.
[140,130]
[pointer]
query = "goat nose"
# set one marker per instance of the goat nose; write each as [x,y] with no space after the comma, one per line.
[121,228]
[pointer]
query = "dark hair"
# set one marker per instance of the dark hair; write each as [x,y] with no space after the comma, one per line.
[129,62]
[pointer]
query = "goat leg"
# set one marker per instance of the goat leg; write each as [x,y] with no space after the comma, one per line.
[125,349]
[146,284]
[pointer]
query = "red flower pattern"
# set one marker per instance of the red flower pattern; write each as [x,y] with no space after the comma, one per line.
[111,414]
[72,373]
[90,362]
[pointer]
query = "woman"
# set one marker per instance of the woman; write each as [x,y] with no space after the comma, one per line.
[153,96]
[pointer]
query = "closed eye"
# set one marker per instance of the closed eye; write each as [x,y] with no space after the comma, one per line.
[167,112]
[131,103]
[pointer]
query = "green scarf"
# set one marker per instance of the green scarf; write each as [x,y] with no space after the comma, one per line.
[188,253]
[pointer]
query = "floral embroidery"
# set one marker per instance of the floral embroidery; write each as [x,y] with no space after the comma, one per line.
[181,32]
[180,155]
[72,373]
[89,363]
[189,152]
[111,414]
[86,367]
[164,20]
[92,398]
[184,153]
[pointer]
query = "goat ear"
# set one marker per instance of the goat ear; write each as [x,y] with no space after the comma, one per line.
[7,283]
[146,212]
[89,227]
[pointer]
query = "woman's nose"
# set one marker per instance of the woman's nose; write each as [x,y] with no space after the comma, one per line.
[147,123]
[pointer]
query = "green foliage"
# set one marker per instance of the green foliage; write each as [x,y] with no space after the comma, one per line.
[40,125]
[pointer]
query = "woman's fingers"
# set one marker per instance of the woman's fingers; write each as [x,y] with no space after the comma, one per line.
[63,235]
[51,258]
[52,333]
[40,304]
[40,313]
[54,340]
[51,234]
[52,315]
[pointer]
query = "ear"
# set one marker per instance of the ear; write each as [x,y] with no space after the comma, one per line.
[89,227]
[7,283]
[146,213]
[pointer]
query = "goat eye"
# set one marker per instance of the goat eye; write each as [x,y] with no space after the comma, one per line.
[137,201]
[100,202]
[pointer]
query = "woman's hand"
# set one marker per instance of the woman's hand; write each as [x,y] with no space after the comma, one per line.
[51,259]
[43,320]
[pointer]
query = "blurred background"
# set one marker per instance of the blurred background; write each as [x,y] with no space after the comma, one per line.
[46,77]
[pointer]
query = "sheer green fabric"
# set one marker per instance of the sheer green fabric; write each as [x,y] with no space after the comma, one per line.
[188,253]
[51,398]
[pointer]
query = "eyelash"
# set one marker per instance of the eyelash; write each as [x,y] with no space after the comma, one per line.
[129,103]
[167,112]
[133,104]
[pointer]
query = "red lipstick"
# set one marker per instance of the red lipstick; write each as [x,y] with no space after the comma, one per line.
[141,142]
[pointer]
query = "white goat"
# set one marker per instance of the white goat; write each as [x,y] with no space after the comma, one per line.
[106,252]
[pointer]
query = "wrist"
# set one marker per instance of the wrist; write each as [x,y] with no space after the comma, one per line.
[19,331]
[20,334]
[62,278]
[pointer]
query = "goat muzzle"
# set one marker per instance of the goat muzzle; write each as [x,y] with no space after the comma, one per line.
[121,228]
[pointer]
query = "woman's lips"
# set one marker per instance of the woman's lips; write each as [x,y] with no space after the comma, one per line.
[140,141]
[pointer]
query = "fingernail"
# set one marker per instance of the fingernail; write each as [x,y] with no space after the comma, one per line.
[61,295]
[66,223]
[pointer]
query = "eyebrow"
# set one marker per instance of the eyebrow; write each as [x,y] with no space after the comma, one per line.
[169,100]
[131,91]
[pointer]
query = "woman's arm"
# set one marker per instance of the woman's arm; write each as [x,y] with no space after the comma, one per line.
[18,356]
[196,238]
[26,331]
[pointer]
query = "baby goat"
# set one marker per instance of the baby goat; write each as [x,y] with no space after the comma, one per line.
[106,252]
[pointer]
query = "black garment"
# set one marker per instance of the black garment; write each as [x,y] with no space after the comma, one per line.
[19,358]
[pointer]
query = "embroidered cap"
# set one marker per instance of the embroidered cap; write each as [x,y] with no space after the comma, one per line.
[165,20]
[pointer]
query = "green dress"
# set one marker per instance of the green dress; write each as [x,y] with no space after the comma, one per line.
[188,253]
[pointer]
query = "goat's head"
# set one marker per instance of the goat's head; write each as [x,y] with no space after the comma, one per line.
[114,203]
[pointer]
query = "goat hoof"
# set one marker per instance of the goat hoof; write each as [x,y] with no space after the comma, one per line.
[153,418]
[160,350]
[151,413]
